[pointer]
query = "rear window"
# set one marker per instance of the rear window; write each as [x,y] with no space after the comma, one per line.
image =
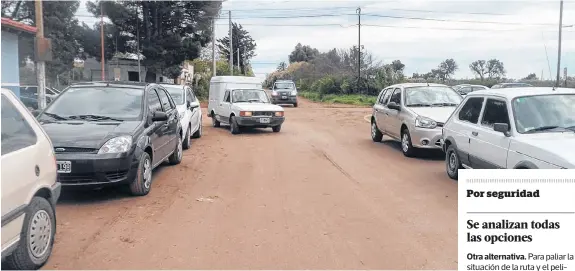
[117,103]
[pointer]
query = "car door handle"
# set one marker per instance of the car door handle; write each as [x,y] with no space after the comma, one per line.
[474,133]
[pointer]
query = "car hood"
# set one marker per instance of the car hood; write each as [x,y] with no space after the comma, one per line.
[258,107]
[554,148]
[439,114]
[86,134]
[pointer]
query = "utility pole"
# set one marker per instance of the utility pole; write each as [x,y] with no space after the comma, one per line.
[214,47]
[138,43]
[358,47]
[238,50]
[231,45]
[102,40]
[559,47]
[40,64]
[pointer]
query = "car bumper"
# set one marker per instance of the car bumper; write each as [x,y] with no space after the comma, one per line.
[427,138]
[280,100]
[56,192]
[97,170]
[256,121]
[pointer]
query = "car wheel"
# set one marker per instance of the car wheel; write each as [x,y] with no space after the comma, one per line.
[452,162]
[234,127]
[36,238]
[277,129]
[187,140]
[143,182]
[215,122]
[198,133]
[176,156]
[406,146]
[376,134]
[295,105]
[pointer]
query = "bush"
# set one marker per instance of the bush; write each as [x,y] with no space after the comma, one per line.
[353,99]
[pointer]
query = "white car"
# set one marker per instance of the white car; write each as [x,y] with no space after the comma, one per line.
[527,128]
[30,188]
[189,111]
[239,102]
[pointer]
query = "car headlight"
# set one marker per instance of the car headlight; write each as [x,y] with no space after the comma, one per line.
[116,145]
[274,93]
[245,113]
[279,114]
[293,93]
[423,122]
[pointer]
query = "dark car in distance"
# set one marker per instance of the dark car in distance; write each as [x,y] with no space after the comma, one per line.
[111,133]
[284,92]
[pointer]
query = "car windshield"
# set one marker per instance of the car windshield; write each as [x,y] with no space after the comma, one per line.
[97,103]
[177,94]
[286,85]
[249,96]
[547,113]
[431,96]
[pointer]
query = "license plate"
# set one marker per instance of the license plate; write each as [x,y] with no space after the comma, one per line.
[64,166]
[265,120]
[284,97]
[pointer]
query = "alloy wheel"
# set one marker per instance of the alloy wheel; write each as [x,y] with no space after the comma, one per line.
[147,173]
[405,142]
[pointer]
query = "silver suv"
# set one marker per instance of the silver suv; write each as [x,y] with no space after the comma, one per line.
[413,113]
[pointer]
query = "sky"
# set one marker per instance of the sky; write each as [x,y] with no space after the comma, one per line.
[420,33]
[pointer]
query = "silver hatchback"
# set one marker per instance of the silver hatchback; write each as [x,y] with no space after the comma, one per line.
[414,114]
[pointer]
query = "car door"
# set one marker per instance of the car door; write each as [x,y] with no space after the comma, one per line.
[225,107]
[381,117]
[195,112]
[155,127]
[464,122]
[171,132]
[488,148]
[21,166]
[378,109]
[392,122]
[165,128]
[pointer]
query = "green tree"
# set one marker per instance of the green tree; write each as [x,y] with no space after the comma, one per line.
[282,67]
[446,69]
[531,76]
[495,69]
[479,68]
[242,40]
[303,53]
[170,32]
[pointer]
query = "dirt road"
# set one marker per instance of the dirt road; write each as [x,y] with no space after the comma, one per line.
[318,195]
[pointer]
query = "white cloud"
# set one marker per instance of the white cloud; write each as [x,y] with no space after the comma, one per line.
[520,47]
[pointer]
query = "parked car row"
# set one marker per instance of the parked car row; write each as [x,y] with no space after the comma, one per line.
[94,134]
[528,128]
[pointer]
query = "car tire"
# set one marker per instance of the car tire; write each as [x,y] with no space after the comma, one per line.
[142,184]
[215,122]
[234,127]
[295,105]
[452,162]
[376,134]
[39,227]
[406,146]
[176,156]
[187,141]
[198,133]
[276,129]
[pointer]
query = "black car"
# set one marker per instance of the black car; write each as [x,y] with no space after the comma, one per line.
[112,133]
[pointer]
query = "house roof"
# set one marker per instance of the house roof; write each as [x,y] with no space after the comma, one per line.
[14,25]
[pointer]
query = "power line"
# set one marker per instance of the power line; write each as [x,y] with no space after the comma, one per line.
[451,20]
[448,12]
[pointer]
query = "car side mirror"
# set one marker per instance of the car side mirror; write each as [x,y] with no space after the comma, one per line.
[502,128]
[160,116]
[189,104]
[193,105]
[393,106]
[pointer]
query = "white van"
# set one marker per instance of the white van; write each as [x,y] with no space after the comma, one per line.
[29,188]
[240,101]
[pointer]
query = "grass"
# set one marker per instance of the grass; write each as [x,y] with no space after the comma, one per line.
[353,99]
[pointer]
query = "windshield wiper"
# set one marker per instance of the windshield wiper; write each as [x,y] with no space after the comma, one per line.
[419,105]
[93,117]
[544,128]
[55,116]
[444,104]
[571,127]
